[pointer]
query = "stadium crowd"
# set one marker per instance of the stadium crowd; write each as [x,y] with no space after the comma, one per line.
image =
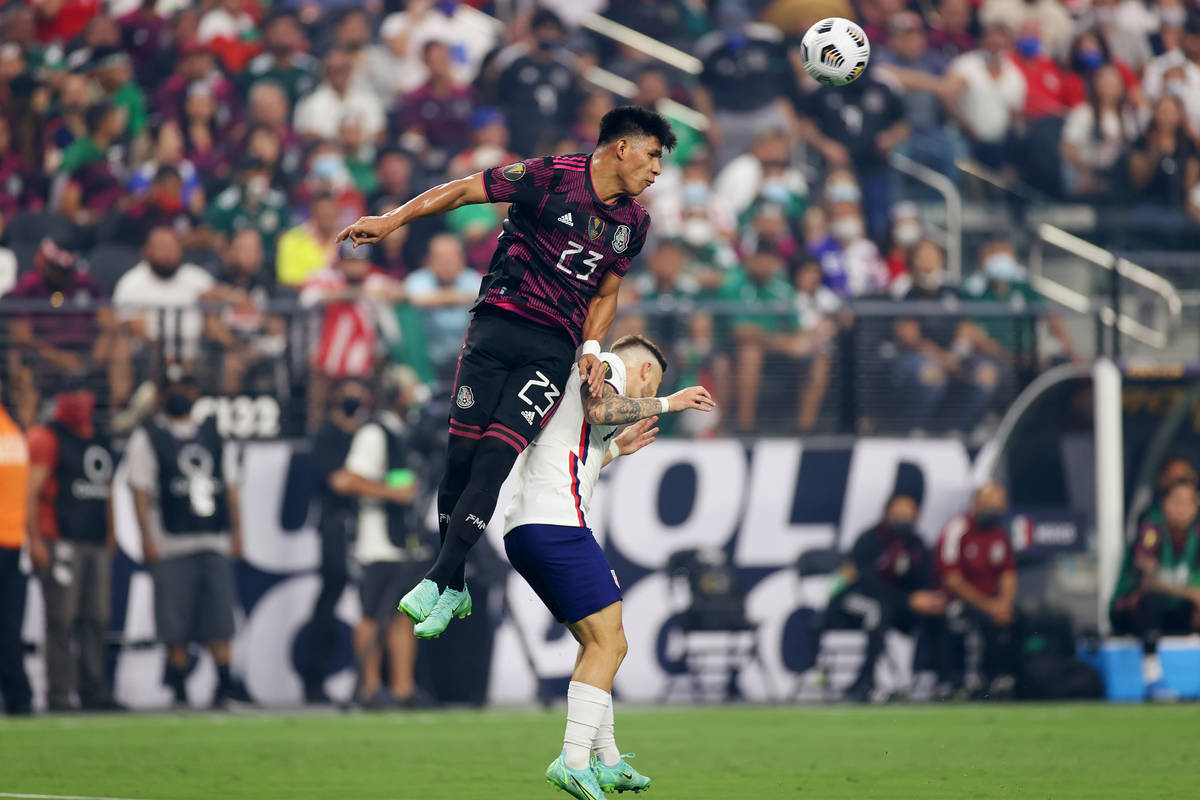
[169,154]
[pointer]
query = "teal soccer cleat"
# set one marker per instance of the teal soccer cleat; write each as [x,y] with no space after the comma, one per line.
[579,783]
[452,603]
[620,777]
[420,601]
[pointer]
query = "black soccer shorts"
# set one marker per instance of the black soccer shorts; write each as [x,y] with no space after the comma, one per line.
[510,378]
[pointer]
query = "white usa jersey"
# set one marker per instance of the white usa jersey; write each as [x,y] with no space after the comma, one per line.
[557,472]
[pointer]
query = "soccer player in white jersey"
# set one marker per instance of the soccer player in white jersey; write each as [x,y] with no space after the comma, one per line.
[548,541]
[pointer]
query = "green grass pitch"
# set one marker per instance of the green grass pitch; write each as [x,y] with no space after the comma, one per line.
[893,752]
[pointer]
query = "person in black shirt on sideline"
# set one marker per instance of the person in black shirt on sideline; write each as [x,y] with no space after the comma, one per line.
[888,584]
[349,409]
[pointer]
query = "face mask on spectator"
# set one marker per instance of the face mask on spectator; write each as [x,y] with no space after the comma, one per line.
[1002,267]
[1177,88]
[1089,59]
[177,404]
[1172,16]
[695,193]
[776,190]
[351,406]
[447,7]
[163,269]
[697,232]
[327,167]
[847,229]
[1029,46]
[902,527]
[907,234]
[843,192]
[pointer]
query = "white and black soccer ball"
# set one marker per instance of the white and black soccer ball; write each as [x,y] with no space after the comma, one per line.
[835,51]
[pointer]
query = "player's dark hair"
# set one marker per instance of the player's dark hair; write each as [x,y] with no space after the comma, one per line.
[625,121]
[640,340]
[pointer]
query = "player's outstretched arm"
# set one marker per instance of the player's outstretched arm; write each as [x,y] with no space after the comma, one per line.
[611,408]
[438,200]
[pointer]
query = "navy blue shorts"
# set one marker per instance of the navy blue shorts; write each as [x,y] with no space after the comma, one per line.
[565,566]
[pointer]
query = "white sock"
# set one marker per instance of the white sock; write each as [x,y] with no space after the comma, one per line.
[1152,670]
[605,744]
[585,709]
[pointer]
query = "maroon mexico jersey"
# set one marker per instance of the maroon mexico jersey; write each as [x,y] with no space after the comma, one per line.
[559,240]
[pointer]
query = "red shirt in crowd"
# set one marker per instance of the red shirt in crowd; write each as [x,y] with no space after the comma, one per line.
[981,556]
[1045,86]
[71,17]
[1075,87]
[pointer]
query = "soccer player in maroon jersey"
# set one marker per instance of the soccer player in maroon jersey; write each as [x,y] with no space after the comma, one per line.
[572,231]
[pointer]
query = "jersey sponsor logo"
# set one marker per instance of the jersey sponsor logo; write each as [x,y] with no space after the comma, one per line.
[513,172]
[996,556]
[465,397]
[595,228]
[620,240]
[98,469]
[528,415]
[567,220]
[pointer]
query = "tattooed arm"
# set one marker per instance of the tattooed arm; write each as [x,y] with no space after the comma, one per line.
[611,408]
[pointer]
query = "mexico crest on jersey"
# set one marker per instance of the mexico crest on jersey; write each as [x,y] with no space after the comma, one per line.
[595,228]
[620,238]
[514,172]
[465,397]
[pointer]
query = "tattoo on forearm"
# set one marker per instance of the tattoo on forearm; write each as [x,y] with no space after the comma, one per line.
[618,410]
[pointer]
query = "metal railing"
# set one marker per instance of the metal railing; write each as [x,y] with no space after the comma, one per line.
[954,206]
[1110,315]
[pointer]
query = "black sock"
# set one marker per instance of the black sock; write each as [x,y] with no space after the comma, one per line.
[224,679]
[492,462]
[174,678]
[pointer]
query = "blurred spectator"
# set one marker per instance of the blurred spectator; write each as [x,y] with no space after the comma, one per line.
[1166,29]
[62,20]
[887,583]
[1120,24]
[113,73]
[144,34]
[766,223]
[1096,137]
[702,362]
[194,66]
[269,112]
[856,126]
[168,152]
[283,61]
[1155,594]
[186,505]
[394,169]
[538,88]
[349,407]
[1088,54]
[759,334]
[951,36]
[71,542]
[14,480]
[988,92]
[390,546]
[745,80]
[1051,18]
[907,229]
[356,301]
[434,120]
[1164,165]
[765,171]
[328,173]
[358,156]
[157,300]
[445,290]
[309,247]
[488,146]
[816,305]
[653,87]
[8,261]
[164,206]
[67,119]
[919,71]
[87,187]
[206,133]
[852,263]
[54,344]
[396,66]
[979,572]
[250,202]
[1045,83]
[319,113]
[1003,280]
[669,289]
[1178,71]
[231,32]
[14,175]
[252,339]
[934,354]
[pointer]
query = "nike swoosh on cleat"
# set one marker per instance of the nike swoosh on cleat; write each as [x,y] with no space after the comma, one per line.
[582,788]
[627,776]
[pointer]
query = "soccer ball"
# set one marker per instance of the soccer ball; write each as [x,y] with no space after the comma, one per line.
[835,51]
